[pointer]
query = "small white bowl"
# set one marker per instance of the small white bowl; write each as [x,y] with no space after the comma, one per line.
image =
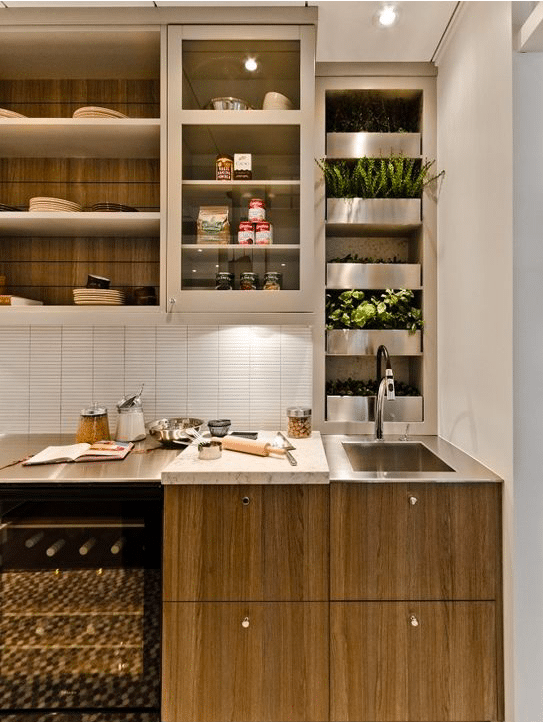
[276,101]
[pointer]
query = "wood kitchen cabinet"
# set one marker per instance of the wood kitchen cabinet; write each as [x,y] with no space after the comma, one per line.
[415,611]
[258,543]
[413,661]
[415,541]
[248,662]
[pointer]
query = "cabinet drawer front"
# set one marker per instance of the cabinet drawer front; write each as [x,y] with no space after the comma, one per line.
[229,543]
[249,662]
[415,541]
[416,661]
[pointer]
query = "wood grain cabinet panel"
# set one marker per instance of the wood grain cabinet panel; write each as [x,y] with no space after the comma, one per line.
[415,541]
[259,543]
[413,662]
[245,662]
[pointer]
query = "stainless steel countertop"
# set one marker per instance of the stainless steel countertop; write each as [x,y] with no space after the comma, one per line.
[465,467]
[136,467]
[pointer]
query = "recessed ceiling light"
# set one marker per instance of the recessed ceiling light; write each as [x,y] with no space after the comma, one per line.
[387,16]
[251,65]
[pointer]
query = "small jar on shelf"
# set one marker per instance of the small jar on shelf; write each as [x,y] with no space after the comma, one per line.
[299,422]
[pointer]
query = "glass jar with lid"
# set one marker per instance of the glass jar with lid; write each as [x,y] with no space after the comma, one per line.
[93,425]
[299,422]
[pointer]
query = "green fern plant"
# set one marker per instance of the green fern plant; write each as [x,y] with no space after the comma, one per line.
[393,177]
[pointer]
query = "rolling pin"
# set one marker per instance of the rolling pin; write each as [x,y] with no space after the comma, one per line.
[250,446]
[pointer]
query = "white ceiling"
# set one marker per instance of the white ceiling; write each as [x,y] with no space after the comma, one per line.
[346,32]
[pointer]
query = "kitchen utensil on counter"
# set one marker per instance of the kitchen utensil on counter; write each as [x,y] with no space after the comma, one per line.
[195,435]
[280,441]
[130,422]
[209,450]
[248,446]
[228,103]
[93,425]
[219,427]
[171,432]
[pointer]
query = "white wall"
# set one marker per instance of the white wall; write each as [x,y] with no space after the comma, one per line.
[528,385]
[249,374]
[475,255]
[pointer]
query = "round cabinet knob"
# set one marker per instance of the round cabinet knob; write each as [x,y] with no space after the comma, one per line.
[413,621]
[245,501]
[413,500]
[245,623]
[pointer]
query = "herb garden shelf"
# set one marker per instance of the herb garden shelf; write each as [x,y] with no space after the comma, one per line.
[373,275]
[362,408]
[360,342]
[388,211]
[356,145]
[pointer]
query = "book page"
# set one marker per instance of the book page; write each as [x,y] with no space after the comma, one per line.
[57,454]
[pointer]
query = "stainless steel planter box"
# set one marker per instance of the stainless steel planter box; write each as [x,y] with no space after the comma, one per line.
[373,275]
[396,211]
[362,408]
[358,342]
[357,145]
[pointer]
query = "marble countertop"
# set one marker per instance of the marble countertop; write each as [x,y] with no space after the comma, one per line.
[234,467]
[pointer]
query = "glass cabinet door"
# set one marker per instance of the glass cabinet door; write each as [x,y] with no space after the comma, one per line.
[241,168]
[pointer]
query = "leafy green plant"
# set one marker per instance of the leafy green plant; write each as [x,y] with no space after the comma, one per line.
[355,258]
[352,387]
[370,111]
[390,310]
[392,177]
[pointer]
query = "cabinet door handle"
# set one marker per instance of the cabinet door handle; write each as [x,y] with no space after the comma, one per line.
[413,621]
[245,501]
[245,623]
[413,500]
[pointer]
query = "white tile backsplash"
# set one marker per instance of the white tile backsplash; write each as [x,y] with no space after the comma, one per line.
[249,374]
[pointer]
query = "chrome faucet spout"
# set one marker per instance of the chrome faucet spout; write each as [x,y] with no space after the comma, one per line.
[386,387]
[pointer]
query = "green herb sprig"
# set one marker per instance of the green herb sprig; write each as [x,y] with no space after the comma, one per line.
[391,310]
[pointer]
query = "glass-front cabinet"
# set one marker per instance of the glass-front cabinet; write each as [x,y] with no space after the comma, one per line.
[240,168]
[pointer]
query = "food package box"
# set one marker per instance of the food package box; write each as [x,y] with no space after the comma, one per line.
[213,225]
[243,166]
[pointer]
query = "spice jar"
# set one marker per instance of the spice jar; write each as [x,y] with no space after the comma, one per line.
[257,210]
[224,281]
[93,425]
[273,281]
[224,167]
[299,422]
[248,281]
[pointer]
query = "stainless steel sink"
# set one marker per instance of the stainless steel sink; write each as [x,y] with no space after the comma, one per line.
[393,456]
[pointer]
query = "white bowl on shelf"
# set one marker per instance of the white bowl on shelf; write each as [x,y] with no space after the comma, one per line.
[276,101]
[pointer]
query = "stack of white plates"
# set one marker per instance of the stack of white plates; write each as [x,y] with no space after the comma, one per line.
[40,205]
[5,113]
[97,297]
[91,111]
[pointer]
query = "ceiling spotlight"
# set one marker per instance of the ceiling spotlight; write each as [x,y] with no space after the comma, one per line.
[251,65]
[387,16]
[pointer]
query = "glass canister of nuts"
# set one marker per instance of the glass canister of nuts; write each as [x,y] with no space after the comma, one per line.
[299,422]
[93,425]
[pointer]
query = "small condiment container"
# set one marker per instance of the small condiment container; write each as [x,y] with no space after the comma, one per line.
[224,281]
[299,422]
[224,167]
[130,422]
[93,425]
[257,210]
[263,233]
[209,450]
[246,233]
[248,281]
[273,280]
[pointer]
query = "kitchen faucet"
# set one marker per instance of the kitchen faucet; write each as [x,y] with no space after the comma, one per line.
[386,385]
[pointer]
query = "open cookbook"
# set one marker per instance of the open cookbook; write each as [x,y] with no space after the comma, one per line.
[100,451]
